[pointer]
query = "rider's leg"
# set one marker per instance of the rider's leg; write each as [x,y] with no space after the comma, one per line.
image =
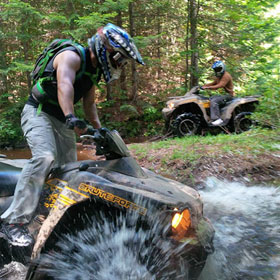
[215,102]
[38,131]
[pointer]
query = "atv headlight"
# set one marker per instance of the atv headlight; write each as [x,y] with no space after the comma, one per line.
[171,105]
[181,223]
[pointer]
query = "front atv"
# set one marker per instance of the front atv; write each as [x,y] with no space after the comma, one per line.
[88,201]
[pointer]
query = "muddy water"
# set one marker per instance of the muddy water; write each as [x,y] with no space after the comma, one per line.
[83,153]
[16,154]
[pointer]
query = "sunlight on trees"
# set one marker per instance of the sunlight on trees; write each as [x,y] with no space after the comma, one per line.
[178,40]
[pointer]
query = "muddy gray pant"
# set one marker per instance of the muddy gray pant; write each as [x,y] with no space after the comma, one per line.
[51,144]
[216,102]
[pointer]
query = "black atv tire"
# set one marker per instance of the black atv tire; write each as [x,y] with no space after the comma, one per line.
[186,124]
[242,123]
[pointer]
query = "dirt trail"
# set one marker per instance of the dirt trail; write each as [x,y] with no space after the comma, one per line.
[250,169]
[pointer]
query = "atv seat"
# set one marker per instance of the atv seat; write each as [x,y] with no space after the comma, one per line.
[227,103]
[203,97]
[5,202]
[8,177]
[174,97]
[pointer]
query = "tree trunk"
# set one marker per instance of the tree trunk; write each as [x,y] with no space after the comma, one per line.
[108,92]
[193,43]
[158,44]
[122,81]
[25,53]
[3,77]
[133,95]
[187,81]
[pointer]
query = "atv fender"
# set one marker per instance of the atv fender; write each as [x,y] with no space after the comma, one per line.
[196,103]
[227,111]
[81,186]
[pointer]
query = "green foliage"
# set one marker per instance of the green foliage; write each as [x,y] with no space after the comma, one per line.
[107,104]
[254,142]
[131,128]
[110,5]
[88,23]
[129,110]
[267,113]
[244,34]
[10,129]
[10,132]
[150,114]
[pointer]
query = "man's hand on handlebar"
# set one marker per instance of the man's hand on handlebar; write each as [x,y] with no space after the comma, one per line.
[79,126]
[98,136]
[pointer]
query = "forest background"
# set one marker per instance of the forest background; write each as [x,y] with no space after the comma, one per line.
[178,39]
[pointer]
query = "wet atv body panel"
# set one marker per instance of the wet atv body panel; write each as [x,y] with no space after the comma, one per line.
[142,195]
[9,175]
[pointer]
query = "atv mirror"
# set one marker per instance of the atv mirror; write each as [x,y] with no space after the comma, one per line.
[83,167]
[114,146]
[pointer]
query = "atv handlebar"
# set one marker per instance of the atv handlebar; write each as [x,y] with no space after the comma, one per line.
[93,134]
[108,143]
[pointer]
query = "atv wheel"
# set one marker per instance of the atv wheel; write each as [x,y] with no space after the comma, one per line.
[242,123]
[186,124]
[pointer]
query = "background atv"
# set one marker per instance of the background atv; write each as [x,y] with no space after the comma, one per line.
[190,114]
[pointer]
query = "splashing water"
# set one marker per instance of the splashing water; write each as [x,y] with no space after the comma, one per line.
[13,271]
[114,251]
[247,241]
[247,224]
[95,255]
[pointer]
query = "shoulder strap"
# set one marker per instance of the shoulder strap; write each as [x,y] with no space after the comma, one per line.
[82,53]
[54,47]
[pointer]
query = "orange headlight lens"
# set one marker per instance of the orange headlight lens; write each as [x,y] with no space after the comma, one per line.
[171,106]
[181,223]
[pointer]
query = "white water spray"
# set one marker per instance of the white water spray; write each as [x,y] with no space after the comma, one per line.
[114,251]
[247,224]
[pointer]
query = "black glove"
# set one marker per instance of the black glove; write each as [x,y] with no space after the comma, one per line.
[72,121]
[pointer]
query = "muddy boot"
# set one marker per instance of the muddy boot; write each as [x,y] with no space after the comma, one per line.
[16,235]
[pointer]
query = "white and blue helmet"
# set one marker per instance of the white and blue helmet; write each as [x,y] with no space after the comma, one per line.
[113,47]
[219,68]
